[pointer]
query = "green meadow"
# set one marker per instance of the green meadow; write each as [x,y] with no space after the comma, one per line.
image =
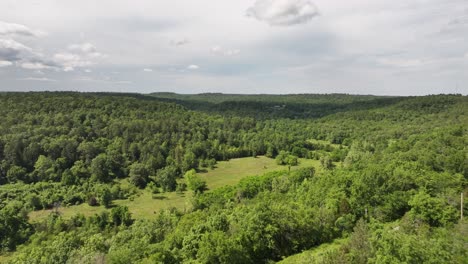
[145,204]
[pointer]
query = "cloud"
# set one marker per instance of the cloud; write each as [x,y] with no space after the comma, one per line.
[35,66]
[11,50]
[14,52]
[78,56]
[223,52]
[70,60]
[400,63]
[43,79]
[86,48]
[105,79]
[180,42]
[283,12]
[5,63]
[17,29]
[147,70]
[193,67]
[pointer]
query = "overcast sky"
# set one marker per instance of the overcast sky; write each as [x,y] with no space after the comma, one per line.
[399,47]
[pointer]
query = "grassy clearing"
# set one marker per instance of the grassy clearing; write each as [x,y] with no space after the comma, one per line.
[142,206]
[316,255]
[67,212]
[232,171]
[4,258]
[146,204]
[323,142]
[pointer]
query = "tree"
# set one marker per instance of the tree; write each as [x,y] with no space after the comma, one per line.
[432,210]
[359,243]
[34,201]
[194,182]
[68,178]
[189,161]
[211,163]
[79,170]
[105,197]
[281,158]
[166,178]
[14,226]
[292,160]
[139,175]
[44,169]
[326,162]
[99,168]
[92,201]
[270,153]
[16,173]
[284,158]
[120,215]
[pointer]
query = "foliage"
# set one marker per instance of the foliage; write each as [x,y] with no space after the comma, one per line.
[194,182]
[387,185]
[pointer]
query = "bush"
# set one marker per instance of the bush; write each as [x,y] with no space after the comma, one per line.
[92,201]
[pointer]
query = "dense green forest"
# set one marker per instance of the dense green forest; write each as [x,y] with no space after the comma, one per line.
[387,188]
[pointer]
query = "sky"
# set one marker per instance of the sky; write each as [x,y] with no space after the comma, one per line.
[381,47]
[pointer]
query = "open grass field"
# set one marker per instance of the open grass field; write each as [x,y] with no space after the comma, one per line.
[142,206]
[323,142]
[316,255]
[146,204]
[4,258]
[67,212]
[232,171]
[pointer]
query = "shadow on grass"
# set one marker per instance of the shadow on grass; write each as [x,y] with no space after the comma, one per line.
[159,197]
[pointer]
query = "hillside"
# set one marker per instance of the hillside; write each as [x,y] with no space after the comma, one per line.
[215,178]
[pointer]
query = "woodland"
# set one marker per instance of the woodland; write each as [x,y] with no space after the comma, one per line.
[385,186]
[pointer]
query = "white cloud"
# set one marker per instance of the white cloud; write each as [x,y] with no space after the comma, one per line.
[14,52]
[80,55]
[84,47]
[401,63]
[12,45]
[218,50]
[105,79]
[193,67]
[11,50]
[17,29]
[43,79]
[283,12]
[35,66]
[88,70]
[70,61]
[5,63]
[147,70]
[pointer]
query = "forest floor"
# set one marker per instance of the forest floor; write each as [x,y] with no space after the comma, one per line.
[145,204]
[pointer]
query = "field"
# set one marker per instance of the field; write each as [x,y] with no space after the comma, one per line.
[146,204]
[316,255]
[232,171]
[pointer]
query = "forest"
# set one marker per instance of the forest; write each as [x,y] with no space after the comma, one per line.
[385,186]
